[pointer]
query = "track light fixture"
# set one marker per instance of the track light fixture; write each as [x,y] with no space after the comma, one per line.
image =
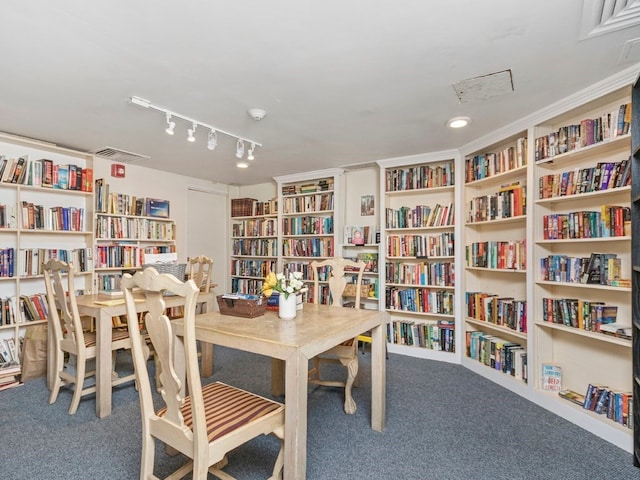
[212,140]
[191,132]
[239,149]
[170,125]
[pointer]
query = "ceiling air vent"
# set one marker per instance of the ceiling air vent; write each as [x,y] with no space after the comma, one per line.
[604,16]
[118,155]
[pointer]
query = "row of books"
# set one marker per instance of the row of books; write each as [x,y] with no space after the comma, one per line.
[311,203]
[38,217]
[134,228]
[487,165]
[598,268]
[264,247]
[508,202]
[441,245]
[119,256]
[361,235]
[589,131]
[123,204]
[610,221]
[498,353]
[322,185]
[31,260]
[8,218]
[307,225]
[245,285]
[616,405]
[7,262]
[8,311]
[308,247]
[439,274]
[34,307]
[252,267]
[491,308]
[604,176]
[261,227]
[45,173]
[420,216]
[250,207]
[9,364]
[507,255]
[438,335]
[420,300]
[577,313]
[423,176]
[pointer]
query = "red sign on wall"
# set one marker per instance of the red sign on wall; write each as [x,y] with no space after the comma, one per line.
[117,170]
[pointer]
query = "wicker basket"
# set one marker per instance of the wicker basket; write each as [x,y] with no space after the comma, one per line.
[350,290]
[240,307]
[175,269]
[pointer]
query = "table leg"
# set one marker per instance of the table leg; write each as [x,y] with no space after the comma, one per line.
[378,378]
[295,423]
[51,358]
[103,365]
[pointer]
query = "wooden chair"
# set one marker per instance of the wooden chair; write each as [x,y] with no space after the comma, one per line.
[347,352]
[200,269]
[211,420]
[69,336]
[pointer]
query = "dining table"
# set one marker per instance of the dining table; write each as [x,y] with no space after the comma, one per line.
[103,308]
[291,344]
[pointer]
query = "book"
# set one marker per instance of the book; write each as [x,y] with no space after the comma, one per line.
[551,377]
[572,396]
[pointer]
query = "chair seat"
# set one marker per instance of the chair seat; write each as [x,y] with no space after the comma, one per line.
[227,409]
[116,335]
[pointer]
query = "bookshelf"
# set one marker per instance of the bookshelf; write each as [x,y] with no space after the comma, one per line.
[45,212]
[418,266]
[254,243]
[308,220]
[495,259]
[370,254]
[580,213]
[125,231]
[635,263]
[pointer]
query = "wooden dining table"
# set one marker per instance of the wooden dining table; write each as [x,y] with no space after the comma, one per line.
[291,344]
[103,308]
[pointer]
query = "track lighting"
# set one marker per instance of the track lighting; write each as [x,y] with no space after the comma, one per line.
[170,125]
[212,139]
[240,149]
[192,132]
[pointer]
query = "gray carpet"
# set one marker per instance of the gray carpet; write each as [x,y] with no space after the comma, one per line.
[443,422]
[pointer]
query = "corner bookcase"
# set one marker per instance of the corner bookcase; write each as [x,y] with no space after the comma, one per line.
[418,267]
[41,218]
[309,222]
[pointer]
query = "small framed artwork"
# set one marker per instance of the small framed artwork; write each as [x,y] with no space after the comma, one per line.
[367,205]
[157,208]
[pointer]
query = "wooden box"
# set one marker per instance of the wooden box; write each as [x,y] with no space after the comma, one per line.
[242,307]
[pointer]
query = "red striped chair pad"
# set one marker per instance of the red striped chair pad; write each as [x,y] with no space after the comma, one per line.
[227,408]
[116,334]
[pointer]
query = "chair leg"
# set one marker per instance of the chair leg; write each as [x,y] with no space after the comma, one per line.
[79,383]
[352,373]
[57,383]
[279,465]
[148,456]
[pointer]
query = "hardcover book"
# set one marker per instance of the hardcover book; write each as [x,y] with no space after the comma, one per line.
[551,377]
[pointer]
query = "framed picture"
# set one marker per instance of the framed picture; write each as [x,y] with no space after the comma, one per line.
[157,208]
[367,205]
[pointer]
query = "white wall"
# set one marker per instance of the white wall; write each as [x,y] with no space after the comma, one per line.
[148,182]
[357,184]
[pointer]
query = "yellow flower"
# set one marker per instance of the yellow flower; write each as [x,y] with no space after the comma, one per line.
[269,283]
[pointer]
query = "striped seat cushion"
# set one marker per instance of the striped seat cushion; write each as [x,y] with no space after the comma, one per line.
[116,334]
[227,408]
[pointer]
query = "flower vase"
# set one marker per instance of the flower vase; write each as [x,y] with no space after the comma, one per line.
[287,307]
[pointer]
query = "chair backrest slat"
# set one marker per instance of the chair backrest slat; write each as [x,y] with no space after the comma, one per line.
[200,272]
[340,268]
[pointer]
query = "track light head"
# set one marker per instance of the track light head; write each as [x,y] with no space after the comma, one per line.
[170,125]
[250,153]
[212,141]
[240,149]
[192,132]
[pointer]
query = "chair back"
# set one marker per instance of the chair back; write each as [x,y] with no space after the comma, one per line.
[62,302]
[339,269]
[200,272]
[169,424]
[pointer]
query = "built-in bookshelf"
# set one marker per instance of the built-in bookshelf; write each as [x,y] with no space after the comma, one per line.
[309,227]
[254,243]
[495,259]
[46,211]
[369,253]
[126,229]
[581,265]
[635,270]
[418,267]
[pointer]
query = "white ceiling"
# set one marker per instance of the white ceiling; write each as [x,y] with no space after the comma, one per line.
[343,82]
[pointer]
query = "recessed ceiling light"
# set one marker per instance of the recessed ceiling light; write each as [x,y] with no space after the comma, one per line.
[458,122]
[242,164]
